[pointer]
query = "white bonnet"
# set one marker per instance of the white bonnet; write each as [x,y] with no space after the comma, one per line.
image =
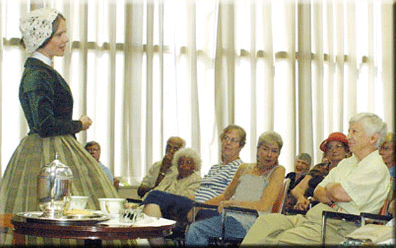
[36,27]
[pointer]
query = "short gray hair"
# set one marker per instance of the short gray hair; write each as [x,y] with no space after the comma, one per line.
[91,143]
[240,130]
[270,137]
[372,124]
[188,153]
[306,157]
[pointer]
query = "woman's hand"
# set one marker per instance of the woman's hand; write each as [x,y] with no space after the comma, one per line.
[302,203]
[224,204]
[86,122]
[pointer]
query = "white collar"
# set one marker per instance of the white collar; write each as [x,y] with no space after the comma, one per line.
[42,57]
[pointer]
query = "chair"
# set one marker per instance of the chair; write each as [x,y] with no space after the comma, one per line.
[362,219]
[276,208]
[280,201]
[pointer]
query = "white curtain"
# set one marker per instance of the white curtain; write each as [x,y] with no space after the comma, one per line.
[148,70]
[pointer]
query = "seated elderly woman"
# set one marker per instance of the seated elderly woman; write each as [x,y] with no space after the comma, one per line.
[183,183]
[301,167]
[387,152]
[255,186]
[335,149]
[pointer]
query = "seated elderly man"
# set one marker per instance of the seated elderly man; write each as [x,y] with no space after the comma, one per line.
[254,186]
[93,148]
[358,184]
[161,168]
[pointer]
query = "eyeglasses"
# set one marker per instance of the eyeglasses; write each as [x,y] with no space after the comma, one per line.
[386,148]
[185,162]
[338,146]
[93,150]
[233,140]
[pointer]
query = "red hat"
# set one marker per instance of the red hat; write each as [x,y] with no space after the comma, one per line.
[337,136]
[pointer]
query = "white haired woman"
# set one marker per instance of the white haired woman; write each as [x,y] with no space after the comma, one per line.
[160,202]
[183,183]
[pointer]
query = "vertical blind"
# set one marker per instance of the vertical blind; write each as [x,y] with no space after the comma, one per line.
[148,70]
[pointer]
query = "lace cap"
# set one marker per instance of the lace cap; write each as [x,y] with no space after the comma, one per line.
[36,27]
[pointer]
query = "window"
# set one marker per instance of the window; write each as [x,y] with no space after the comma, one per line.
[148,70]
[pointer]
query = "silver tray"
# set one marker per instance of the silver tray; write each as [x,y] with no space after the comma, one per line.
[76,219]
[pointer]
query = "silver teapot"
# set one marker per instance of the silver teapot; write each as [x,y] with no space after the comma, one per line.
[54,188]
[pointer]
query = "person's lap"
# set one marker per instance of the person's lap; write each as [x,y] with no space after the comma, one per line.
[199,232]
[172,206]
[274,229]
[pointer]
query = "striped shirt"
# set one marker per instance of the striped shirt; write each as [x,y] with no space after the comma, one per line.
[216,181]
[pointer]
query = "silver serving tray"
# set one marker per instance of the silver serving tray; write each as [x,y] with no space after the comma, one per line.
[76,219]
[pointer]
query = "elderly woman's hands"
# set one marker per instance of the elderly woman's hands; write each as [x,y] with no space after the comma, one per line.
[302,203]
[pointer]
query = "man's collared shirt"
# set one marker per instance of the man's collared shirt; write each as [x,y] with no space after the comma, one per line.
[367,182]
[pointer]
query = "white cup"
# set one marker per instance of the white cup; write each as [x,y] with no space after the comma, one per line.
[111,205]
[78,202]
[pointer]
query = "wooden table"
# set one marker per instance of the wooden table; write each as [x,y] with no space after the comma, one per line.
[6,227]
[91,234]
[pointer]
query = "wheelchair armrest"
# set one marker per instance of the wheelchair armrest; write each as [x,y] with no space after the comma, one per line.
[376,216]
[198,205]
[292,211]
[204,205]
[341,216]
[240,209]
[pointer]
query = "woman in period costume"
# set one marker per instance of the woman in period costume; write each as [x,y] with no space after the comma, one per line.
[47,103]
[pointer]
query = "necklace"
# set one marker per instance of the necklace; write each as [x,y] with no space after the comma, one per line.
[264,171]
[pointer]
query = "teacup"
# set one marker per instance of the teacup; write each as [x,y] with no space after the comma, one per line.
[111,205]
[78,202]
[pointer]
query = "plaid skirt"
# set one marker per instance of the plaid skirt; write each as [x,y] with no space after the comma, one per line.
[18,187]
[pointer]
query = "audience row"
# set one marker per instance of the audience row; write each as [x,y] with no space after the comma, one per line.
[352,177]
